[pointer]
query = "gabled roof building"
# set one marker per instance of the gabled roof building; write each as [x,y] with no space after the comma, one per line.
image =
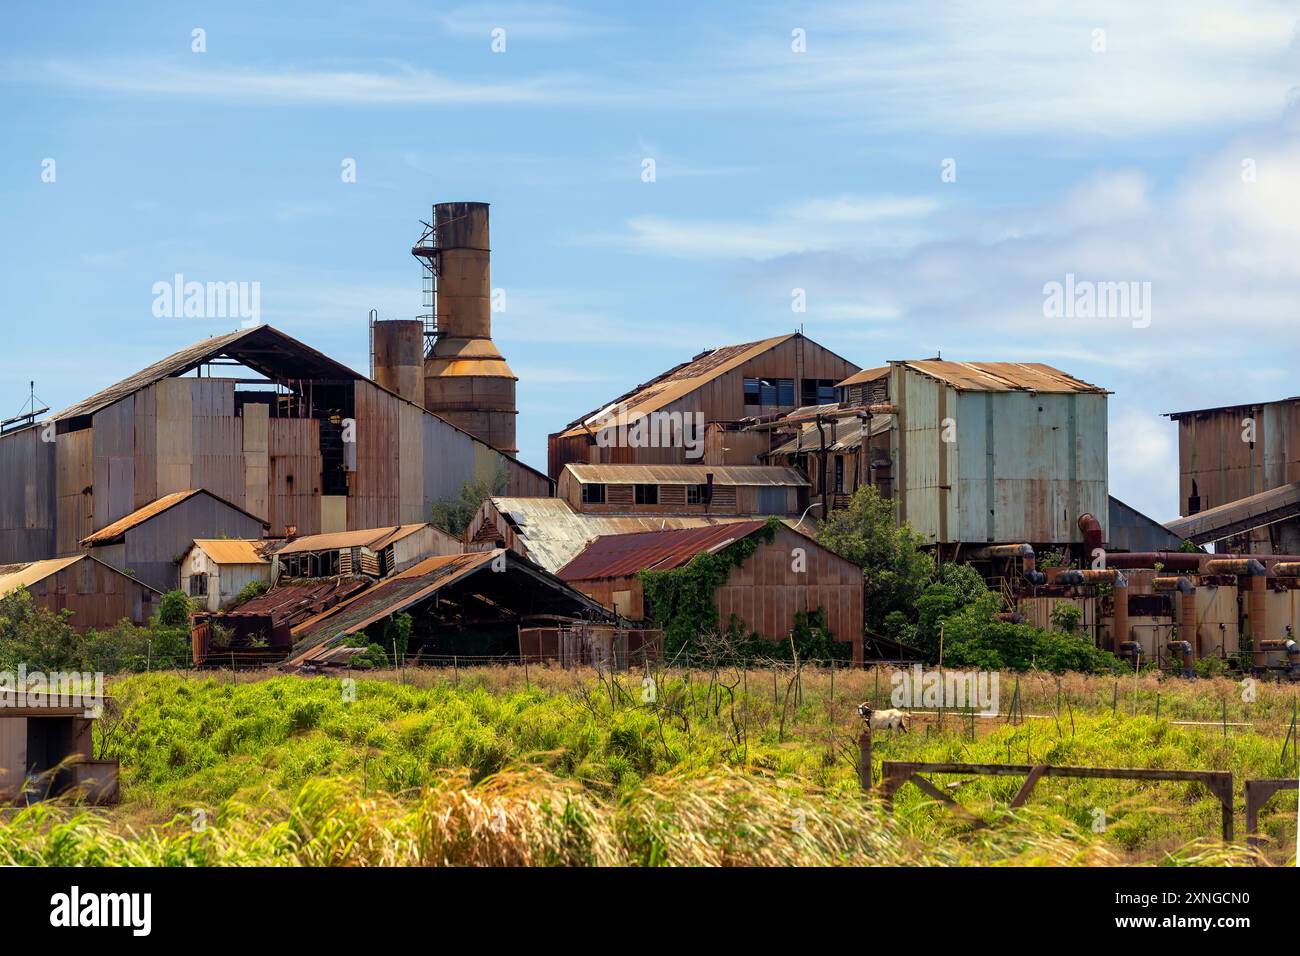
[254,417]
[719,385]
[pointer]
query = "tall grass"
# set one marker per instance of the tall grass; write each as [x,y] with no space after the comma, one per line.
[499,766]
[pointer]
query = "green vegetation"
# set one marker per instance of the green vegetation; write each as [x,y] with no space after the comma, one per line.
[453,515]
[42,640]
[895,568]
[912,602]
[249,591]
[495,766]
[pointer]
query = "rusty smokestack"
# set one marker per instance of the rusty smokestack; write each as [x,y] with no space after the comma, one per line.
[466,379]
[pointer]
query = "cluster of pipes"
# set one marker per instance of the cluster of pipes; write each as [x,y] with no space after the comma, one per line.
[1178,576]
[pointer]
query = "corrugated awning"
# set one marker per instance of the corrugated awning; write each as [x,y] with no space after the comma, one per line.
[1238,517]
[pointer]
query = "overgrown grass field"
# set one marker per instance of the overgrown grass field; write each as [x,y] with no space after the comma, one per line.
[507,766]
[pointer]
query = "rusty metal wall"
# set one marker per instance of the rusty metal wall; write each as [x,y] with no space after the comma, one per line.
[155,548]
[97,595]
[1225,468]
[719,399]
[1023,467]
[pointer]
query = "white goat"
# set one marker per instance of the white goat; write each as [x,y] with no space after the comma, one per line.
[884,719]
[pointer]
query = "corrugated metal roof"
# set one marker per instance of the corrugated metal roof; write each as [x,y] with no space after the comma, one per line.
[119,527]
[15,576]
[373,538]
[390,596]
[110,533]
[253,347]
[1225,408]
[295,602]
[419,583]
[866,375]
[622,555]
[1001,376]
[682,380]
[554,534]
[843,434]
[1213,524]
[231,550]
[742,475]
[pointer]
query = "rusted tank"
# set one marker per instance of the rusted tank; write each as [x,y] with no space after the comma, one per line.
[399,357]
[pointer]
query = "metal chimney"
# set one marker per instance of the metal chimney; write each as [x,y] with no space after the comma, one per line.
[466,379]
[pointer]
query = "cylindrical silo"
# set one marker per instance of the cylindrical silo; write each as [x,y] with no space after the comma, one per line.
[399,357]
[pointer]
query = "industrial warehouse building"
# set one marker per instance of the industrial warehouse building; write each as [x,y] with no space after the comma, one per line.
[683,489]
[791,573]
[293,438]
[376,552]
[1239,476]
[149,542]
[716,388]
[550,533]
[98,595]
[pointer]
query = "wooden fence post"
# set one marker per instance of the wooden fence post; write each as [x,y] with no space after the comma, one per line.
[864,759]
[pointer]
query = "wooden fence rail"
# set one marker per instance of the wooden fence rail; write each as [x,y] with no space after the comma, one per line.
[896,773]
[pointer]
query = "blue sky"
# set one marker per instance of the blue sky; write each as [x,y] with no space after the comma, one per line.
[1116,156]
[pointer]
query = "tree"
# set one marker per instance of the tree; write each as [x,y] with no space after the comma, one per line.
[894,567]
[453,515]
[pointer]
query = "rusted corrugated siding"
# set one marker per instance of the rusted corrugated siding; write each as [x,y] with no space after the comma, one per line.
[1213,452]
[764,593]
[98,595]
[713,386]
[74,482]
[295,474]
[27,496]
[1023,468]
[155,547]
[613,556]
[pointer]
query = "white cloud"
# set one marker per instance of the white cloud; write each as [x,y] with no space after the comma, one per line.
[399,85]
[859,223]
[1143,457]
[1026,66]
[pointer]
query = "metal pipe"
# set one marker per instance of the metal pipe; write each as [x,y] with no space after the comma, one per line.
[1169,582]
[1119,629]
[1287,569]
[1091,529]
[1187,625]
[1238,566]
[1258,604]
[1169,560]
